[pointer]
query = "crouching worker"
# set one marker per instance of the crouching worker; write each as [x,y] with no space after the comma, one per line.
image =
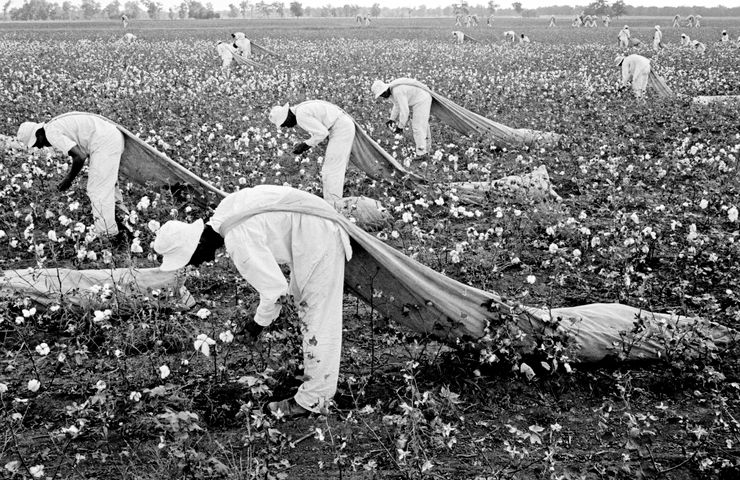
[262,228]
[635,71]
[83,137]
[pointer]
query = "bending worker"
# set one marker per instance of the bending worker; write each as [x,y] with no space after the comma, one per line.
[240,46]
[258,242]
[408,99]
[321,120]
[624,37]
[84,136]
[635,70]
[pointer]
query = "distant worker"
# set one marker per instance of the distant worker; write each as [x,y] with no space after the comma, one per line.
[552,22]
[699,47]
[607,20]
[408,100]
[321,120]
[459,36]
[658,39]
[510,36]
[624,37]
[677,21]
[635,72]
[523,39]
[685,40]
[83,137]
[577,22]
[124,21]
[129,38]
[725,37]
[239,46]
[489,22]
[697,21]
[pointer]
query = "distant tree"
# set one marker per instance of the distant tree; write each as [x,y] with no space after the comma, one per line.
[171,14]
[200,11]
[89,8]
[296,9]
[492,7]
[244,7]
[619,9]
[279,8]
[34,10]
[517,6]
[375,10]
[599,7]
[113,10]
[152,8]
[183,10]
[5,8]
[132,9]
[233,11]
[67,9]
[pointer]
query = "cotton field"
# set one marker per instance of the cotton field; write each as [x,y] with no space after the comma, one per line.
[142,387]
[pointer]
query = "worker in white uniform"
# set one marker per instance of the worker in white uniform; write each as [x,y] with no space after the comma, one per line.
[552,22]
[523,39]
[624,37]
[239,46]
[87,137]
[635,71]
[725,37]
[408,100]
[699,47]
[315,250]
[510,36]
[658,39]
[321,120]
[685,40]
[459,36]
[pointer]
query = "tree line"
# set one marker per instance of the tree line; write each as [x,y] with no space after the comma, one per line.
[133,9]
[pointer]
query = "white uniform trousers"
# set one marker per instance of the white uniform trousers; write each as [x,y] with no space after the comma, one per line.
[102,184]
[341,138]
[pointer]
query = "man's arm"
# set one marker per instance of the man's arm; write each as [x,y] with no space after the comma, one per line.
[78,161]
[403,109]
[314,127]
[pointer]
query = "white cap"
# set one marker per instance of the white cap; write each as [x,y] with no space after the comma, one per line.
[176,241]
[657,27]
[626,27]
[238,35]
[278,114]
[27,133]
[618,61]
[378,87]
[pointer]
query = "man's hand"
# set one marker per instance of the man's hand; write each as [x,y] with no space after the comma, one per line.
[64,185]
[398,130]
[391,124]
[300,148]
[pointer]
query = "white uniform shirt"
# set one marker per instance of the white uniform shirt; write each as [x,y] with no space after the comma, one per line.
[87,131]
[244,45]
[403,97]
[316,117]
[633,66]
[261,243]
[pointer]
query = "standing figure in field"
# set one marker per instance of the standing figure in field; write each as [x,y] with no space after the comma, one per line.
[577,22]
[408,100]
[725,37]
[658,39]
[685,40]
[690,21]
[88,137]
[124,21]
[489,22]
[523,39]
[607,20]
[321,120]
[676,22]
[458,20]
[510,36]
[624,36]
[697,21]
[699,47]
[471,21]
[635,71]
[552,22]
[315,250]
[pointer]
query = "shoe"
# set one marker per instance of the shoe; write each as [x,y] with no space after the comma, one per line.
[287,409]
